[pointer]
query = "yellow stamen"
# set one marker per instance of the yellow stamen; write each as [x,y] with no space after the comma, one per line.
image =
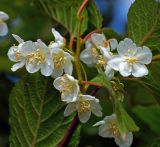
[114,129]
[84,106]
[37,55]
[131,60]
[59,59]
[101,60]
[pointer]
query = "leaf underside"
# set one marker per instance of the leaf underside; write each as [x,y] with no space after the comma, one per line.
[36,114]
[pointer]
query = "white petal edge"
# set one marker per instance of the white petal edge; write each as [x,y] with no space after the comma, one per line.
[139,70]
[3,29]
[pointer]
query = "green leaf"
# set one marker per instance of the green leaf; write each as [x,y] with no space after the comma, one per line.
[94,15]
[109,33]
[153,79]
[36,113]
[144,23]
[65,15]
[149,115]
[125,122]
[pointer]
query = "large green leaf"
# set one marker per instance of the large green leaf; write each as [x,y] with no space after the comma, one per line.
[149,115]
[153,79]
[65,14]
[36,114]
[144,23]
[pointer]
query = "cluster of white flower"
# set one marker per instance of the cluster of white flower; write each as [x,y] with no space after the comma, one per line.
[130,60]
[3,25]
[83,104]
[51,60]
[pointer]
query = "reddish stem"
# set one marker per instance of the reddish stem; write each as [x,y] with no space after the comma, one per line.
[69,132]
[71,41]
[89,35]
[82,7]
[91,83]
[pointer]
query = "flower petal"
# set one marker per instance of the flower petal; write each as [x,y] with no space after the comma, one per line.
[115,61]
[19,40]
[87,58]
[125,142]
[99,123]
[18,65]
[12,53]
[32,68]
[4,16]
[57,83]
[57,36]
[105,52]
[68,68]
[3,29]
[71,107]
[104,131]
[125,69]
[139,70]
[98,39]
[28,47]
[109,72]
[46,69]
[84,116]
[127,47]
[57,73]
[96,109]
[144,55]
[113,44]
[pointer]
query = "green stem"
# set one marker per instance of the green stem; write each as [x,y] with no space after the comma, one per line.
[78,49]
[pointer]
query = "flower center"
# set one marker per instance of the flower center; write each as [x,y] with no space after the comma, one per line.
[94,53]
[84,106]
[131,60]
[59,60]
[67,86]
[101,60]
[37,55]
[18,55]
[113,127]
[105,43]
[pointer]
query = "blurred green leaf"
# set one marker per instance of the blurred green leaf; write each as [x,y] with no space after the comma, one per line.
[94,16]
[144,23]
[149,115]
[65,15]
[36,113]
[125,122]
[109,33]
[5,63]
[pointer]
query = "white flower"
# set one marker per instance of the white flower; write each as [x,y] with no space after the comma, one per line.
[103,60]
[68,86]
[85,104]
[61,60]
[16,54]
[131,59]
[59,40]
[3,25]
[91,54]
[38,57]
[108,127]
